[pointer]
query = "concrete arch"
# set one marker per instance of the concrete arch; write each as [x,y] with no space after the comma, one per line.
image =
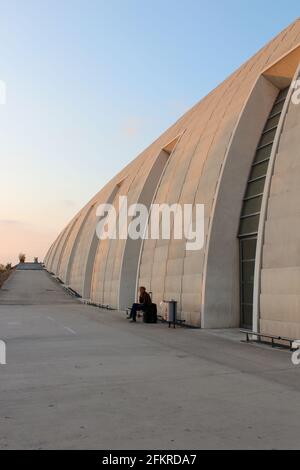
[221,266]
[87,282]
[75,244]
[284,71]
[54,251]
[132,250]
[65,242]
[48,254]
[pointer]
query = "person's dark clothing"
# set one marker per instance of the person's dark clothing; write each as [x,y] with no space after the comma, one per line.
[134,309]
[144,300]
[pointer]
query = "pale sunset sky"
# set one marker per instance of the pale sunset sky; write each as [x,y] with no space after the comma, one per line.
[91,83]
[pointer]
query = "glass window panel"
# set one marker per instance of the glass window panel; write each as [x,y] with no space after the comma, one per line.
[283,94]
[256,187]
[252,206]
[248,248]
[259,170]
[249,225]
[263,153]
[267,138]
[247,293]
[277,108]
[272,122]
[248,271]
[247,316]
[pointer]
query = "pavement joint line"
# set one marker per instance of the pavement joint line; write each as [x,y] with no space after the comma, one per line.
[70,330]
[51,318]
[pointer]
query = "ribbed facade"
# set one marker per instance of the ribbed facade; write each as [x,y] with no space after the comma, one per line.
[206,158]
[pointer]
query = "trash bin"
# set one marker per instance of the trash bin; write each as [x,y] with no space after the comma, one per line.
[171,312]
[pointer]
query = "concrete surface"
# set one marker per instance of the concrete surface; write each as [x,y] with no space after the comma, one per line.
[29,267]
[78,377]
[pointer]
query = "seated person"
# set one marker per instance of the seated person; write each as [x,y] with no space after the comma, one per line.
[144,301]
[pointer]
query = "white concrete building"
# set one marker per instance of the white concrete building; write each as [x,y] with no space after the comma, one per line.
[238,152]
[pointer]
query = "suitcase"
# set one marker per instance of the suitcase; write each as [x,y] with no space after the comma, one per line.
[154,313]
[150,314]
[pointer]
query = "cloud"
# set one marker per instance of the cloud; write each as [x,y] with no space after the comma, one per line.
[131,127]
[11,222]
[69,202]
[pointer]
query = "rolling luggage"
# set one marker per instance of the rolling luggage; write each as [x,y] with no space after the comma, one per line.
[150,314]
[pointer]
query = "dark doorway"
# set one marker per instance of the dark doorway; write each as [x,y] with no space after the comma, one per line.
[247,266]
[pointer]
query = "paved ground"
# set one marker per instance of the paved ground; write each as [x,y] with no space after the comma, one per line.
[78,377]
[4,275]
[29,266]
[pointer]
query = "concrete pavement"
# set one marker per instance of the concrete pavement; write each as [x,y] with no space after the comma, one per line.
[78,377]
[29,266]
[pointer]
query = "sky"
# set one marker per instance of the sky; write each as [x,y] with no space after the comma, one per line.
[91,83]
